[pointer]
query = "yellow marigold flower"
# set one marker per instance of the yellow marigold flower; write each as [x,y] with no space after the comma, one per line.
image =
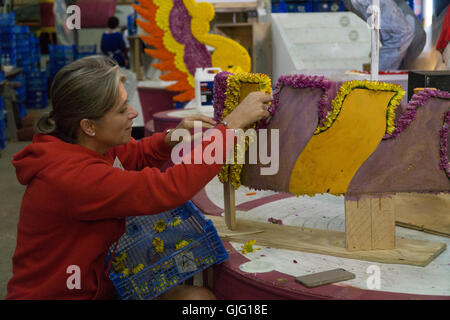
[232,172]
[120,258]
[158,244]
[176,221]
[160,226]
[125,273]
[138,268]
[181,244]
[248,247]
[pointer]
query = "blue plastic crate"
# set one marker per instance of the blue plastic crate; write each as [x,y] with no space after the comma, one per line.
[21,29]
[2,134]
[7,29]
[328,6]
[86,50]
[2,112]
[7,19]
[280,6]
[61,51]
[36,105]
[164,270]
[22,110]
[6,38]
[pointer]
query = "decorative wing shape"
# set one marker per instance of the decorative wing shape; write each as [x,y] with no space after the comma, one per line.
[179,32]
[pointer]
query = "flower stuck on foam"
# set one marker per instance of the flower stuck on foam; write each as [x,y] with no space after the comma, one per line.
[248,247]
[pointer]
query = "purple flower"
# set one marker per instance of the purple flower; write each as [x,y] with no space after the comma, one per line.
[303,81]
[220,87]
[410,113]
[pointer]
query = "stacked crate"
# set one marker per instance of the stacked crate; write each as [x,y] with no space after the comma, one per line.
[60,55]
[85,51]
[7,38]
[29,94]
[328,6]
[2,117]
[21,49]
[279,6]
[37,97]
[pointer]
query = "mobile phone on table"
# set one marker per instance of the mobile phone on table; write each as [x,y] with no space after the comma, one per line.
[325,277]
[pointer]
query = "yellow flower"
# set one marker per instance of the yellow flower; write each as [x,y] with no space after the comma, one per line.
[160,226]
[248,247]
[181,244]
[158,244]
[125,273]
[138,268]
[176,221]
[232,172]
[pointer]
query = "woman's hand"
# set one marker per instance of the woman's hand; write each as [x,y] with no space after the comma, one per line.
[252,109]
[188,124]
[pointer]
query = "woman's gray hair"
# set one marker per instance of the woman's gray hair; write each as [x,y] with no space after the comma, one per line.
[86,88]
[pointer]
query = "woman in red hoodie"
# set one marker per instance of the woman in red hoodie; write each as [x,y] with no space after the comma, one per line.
[85,174]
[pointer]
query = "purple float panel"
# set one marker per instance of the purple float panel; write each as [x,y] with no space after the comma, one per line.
[296,118]
[410,161]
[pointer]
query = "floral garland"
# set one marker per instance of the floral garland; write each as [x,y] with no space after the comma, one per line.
[348,87]
[410,113]
[328,112]
[232,172]
[445,164]
[220,87]
[303,81]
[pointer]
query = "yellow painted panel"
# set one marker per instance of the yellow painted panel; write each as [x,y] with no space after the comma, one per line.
[331,158]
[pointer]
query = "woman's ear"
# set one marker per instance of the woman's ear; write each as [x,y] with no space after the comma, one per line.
[88,127]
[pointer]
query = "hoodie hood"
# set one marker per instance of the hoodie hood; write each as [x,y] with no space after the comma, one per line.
[45,151]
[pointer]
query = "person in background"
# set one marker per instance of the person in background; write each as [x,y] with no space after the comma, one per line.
[401,33]
[85,174]
[112,43]
[442,44]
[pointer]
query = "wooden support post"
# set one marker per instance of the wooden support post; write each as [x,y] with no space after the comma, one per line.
[370,223]
[229,205]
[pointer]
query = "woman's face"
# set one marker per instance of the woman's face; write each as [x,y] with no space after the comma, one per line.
[114,128]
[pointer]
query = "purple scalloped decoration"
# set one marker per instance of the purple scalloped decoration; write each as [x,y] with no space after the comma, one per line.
[444,164]
[303,81]
[220,87]
[195,53]
[410,113]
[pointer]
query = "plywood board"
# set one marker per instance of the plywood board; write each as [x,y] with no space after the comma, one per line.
[423,211]
[407,251]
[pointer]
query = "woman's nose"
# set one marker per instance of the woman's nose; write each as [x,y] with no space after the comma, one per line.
[133,114]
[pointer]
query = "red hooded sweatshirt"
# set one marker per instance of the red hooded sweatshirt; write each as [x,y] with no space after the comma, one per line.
[444,38]
[75,205]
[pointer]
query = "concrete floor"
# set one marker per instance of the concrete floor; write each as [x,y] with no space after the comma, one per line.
[11,193]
